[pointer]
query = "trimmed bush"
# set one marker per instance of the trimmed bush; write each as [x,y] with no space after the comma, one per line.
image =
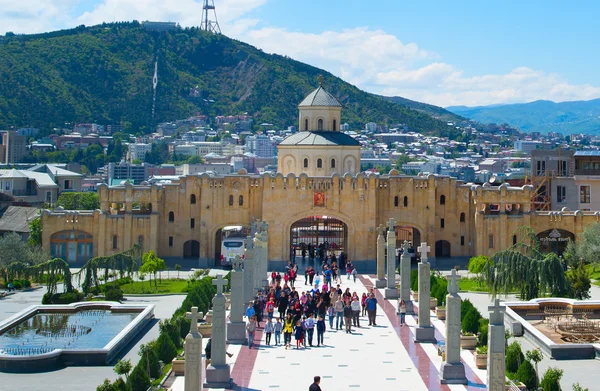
[62,298]
[526,375]
[166,349]
[17,284]
[514,357]
[482,339]
[26,283]
[139,380]
[414,280]
[465,307]
[113,293]
[184,326]
[551,379]
[121,385]
[171,328]
[470,323]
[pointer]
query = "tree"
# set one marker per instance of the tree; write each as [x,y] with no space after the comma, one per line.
[106,386]
[478,265]
[579,282]
[139,379]
[151,263]
[551,379]
[577,387]
[527,375]
[35,232]
[142,278]
[136,161]
[178,268]
[536,357]
[79,201]
[123,367]
[522,267]
[588,246]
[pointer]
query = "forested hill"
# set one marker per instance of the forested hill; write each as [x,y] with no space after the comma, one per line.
[103,74]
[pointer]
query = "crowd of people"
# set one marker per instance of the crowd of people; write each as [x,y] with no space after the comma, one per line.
[302,314]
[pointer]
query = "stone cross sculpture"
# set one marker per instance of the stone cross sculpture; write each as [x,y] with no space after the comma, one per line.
[236,328]
[424,332]
[261,248]
[391,292]
[496,361]
[405,277]
[381,281]
[193,353]
[218,373]
[249,263]
[453,371]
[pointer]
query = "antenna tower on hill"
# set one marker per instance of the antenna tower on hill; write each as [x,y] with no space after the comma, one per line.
[212,26]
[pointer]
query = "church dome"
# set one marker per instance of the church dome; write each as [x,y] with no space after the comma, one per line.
[320,138]
[320,98]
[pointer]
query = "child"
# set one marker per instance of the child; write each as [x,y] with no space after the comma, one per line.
[321,330]
[270,308]
[354,273]
[331,314]
[317,280]
[269,330]
[277,328]
[298,334]
[288,326]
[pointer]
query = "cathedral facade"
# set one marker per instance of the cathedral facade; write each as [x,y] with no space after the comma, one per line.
[317,197]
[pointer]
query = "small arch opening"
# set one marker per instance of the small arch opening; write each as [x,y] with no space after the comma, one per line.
[319,163]
[115,242]
[405,201]
[171,217]
[396,201]
[230,200]
[193,199]
[306,124]
[332,163]
[241,200]
[462,217]
[491,241]
[334,125]
[320,124]
[442,200]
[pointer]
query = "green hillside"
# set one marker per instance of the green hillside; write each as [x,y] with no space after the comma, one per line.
[103,74]
[434,111]
[540,116]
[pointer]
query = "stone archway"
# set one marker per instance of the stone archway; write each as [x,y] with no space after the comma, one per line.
[443,249]
[239,230]
[413,235]
[191,249]
[318,234]
[554,240]
[73,246]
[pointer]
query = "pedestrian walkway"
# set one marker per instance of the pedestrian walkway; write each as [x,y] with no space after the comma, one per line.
[381,358]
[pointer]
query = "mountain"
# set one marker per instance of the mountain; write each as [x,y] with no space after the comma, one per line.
[434,111]
[540,116]
[104,74]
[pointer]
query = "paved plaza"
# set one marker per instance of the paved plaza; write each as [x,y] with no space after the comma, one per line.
[381,358]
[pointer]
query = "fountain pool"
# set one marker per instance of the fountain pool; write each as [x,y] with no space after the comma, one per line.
[42,337]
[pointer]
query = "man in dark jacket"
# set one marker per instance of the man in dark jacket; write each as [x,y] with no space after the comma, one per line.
[315,385]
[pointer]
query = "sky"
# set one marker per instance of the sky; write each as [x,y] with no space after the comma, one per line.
[440,52]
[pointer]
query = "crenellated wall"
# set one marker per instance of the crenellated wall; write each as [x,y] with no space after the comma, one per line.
[136,214]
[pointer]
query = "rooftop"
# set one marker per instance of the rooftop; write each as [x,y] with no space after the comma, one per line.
[320,97]
[320,138]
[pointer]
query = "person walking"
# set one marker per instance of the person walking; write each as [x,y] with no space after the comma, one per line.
[371,305]
[331,315]
[339,313]
[288,328]
[270,307]
[363,303]
[298,334]
[348,317]
[251,329]
[402,311]
[277,328]
[269,328]
[310,328]
[320,331]
[355,305]
[250,312]
[354,273]
[315,385]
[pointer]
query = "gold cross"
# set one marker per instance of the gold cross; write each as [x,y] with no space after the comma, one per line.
[320,79]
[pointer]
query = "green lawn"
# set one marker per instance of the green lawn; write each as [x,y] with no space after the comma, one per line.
[147,287]
[471,284]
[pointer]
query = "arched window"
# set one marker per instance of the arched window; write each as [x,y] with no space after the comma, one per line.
[320,124]
[115,243]
[405,201]
[462,217]
[305,162]
[514,239]
[334,125]
[171,217]
[396,201]
[141,241]
[230,200]
[241,200]
[442,200]
[332,163]
[193,199]
[319,163]
[306,124]
[491,241]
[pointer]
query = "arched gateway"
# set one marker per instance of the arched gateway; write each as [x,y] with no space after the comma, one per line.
[318,232]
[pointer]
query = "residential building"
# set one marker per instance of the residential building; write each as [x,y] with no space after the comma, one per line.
[193,169]
[13,148]
[123,171]
[530,145]
[38,184]
[495,166]
[138,151]
[260,145]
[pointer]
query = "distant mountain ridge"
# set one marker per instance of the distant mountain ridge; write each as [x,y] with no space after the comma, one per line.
[539,116]
[103,74]
[434,111]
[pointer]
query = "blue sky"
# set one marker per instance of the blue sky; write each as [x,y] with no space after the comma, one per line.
[440,52]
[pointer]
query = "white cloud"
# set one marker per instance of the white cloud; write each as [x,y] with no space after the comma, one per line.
[372,59]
